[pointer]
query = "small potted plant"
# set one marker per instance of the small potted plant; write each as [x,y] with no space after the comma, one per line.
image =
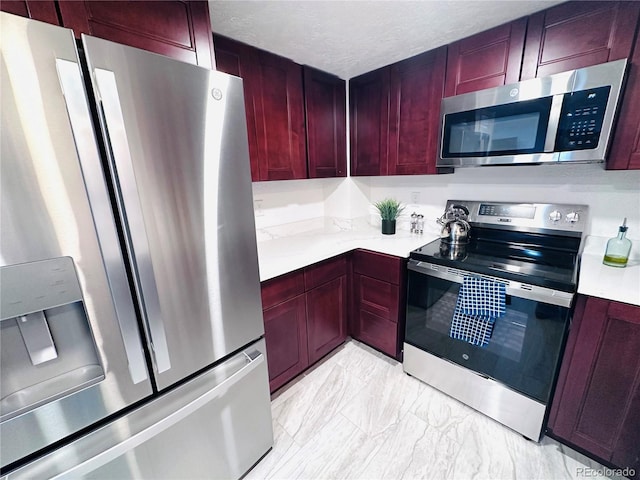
[390,210]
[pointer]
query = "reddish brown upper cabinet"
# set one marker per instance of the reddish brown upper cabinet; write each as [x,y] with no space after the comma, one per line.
[578,34]
[369,122]
[274,108]
[394,115]
[177,29]
[489,59]
[279,109]
[42,10]
[238,59]
[325,109]
[625,148]
[417,88]
[597,402]
[378,301]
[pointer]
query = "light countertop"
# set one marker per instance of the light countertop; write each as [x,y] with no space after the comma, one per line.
[611,283]
[285,254]
[293,251]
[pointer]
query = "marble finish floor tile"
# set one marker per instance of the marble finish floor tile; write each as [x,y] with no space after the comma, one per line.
[357,415]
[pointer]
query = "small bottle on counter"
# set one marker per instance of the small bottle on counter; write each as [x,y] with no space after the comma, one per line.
[618,248]
[414,220]
[420,224]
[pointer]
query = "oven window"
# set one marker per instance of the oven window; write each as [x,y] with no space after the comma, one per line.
[525,346]
[510,129]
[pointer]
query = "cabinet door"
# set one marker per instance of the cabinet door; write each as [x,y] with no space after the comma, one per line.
[578,34]
[488,59]
[417,86]
[325,108]
[369,122]
[177,29]
[596,403]
[285,327]
[42,10]
[238,59]
[326,317]
[279,114]
[625,147]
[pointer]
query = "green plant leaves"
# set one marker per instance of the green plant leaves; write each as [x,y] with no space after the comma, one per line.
[389,208]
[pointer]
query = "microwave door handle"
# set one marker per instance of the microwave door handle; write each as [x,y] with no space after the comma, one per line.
[554,120]
[123,175]
[84,137]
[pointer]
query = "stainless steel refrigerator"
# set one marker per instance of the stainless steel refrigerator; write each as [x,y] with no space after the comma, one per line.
[131,336]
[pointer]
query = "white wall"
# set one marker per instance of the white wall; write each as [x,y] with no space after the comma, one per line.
[610,195]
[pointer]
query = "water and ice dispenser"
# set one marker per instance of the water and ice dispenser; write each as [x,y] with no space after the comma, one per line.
[47,348]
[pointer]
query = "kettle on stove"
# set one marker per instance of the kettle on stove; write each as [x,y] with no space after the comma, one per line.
[455,228]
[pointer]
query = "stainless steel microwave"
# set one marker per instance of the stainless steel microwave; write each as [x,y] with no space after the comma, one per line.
[567,117]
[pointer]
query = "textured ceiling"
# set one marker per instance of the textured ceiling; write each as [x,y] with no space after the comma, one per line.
[348,38]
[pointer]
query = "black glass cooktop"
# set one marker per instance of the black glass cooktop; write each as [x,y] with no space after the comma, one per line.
[535,259]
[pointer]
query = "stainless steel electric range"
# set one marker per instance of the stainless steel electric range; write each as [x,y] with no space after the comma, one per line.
[532,249]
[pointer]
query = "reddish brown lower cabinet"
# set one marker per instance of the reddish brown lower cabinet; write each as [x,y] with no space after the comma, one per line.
[326,317]
[596,406]
[378,301]
[285,328]
[305,317]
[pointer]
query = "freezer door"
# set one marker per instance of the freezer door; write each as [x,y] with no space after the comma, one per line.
[180,165]
[217,425]
[70,347]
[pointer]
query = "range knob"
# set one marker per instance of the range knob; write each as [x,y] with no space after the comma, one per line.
[572,217]
[555,216]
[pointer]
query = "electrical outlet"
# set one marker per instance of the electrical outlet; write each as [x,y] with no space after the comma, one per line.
[415,197]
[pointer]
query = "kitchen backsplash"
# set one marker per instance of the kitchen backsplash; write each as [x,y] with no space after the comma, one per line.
[611,195]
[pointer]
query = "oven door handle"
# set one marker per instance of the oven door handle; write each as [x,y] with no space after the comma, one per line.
[513,288]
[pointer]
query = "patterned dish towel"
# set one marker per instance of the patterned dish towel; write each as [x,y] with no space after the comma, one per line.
[480,302]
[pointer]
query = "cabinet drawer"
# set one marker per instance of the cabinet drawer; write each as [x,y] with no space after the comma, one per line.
[378,265]
[378,332]
[324,272]
[280,289]
[377,297]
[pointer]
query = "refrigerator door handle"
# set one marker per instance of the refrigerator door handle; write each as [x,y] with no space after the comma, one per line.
[253,360]
[84,138]
[130,210]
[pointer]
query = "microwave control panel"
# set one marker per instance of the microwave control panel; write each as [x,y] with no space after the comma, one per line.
[581,119]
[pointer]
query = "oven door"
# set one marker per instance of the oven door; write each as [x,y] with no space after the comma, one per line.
[525,346]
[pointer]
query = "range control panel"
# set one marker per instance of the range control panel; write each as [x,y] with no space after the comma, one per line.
[526,216]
